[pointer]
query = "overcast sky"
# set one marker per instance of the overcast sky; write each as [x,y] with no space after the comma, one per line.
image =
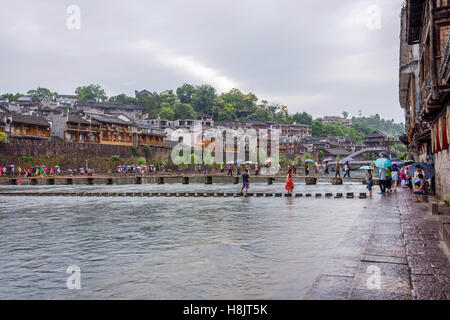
[322,57]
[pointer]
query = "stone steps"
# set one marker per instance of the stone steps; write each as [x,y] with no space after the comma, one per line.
[178,194]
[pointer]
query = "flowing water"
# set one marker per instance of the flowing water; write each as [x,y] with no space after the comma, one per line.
[170,248]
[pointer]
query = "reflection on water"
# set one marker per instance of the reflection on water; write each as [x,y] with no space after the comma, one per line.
[169,248]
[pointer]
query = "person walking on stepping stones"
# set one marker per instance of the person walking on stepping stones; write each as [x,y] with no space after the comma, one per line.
[338,170]
[289,183]
[246,181]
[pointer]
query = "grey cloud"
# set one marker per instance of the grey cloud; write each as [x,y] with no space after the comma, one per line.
[309,55]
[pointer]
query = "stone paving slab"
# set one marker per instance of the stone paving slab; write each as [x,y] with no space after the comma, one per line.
[402,245]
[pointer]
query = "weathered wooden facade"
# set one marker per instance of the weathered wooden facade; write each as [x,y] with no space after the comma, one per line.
[27,127]
[425,84]
[79,130]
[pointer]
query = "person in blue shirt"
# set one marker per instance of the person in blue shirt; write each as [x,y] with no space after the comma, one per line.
[369,178]
[246,181]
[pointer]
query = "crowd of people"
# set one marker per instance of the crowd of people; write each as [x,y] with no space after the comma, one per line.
[37,171]
[395,176]
[141,169]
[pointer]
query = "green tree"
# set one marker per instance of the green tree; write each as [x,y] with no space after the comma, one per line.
[122,99]
[203,98]
[317,129]
[282,160]
[239,100]
[141,161]
[167,114]
[2,137]
[42,94]
[345,114]
[184,111]
[307,156]
[185,93]
[91,93]
[11,96]
[260,115]
[115,158]
[302,118]
[149,103]
[169,98]
[321,155]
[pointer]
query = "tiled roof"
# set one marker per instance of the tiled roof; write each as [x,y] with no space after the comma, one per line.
[27,119]
[108,119]
[73,118]
[101,105]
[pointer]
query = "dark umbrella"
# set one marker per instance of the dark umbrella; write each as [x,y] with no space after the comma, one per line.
[408,162]
[426,168]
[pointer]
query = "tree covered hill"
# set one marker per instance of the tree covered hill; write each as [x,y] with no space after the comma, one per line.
[187,100]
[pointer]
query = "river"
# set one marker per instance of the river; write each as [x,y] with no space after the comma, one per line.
[170,248]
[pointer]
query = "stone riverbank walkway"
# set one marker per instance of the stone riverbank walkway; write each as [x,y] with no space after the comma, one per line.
[397,239]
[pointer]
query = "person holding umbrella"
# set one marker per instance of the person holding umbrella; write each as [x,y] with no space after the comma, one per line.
[346,170]
[326,172]
[383,163]
[369,179]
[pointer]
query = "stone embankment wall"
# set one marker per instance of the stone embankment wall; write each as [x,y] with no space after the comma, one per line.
[442,166]
[26,152]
